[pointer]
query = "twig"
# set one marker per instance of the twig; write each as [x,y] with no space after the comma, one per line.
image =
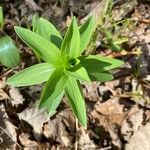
[10,137]
[76,142]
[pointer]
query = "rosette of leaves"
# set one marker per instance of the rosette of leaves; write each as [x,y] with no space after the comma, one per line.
[64,67]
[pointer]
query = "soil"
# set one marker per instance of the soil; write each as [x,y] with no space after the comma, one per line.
[118,111]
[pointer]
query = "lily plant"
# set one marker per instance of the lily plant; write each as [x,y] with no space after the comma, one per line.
[65,67]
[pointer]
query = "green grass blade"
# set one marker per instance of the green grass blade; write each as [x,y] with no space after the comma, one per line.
[1,18]
[44,49]
[86,31]
[71,44]
[53,88]
[49,32]
[33,75]
[76,100]
[35,19]
[9,54]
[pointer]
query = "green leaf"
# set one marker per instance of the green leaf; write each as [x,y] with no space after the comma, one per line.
[35,19]
[46,50]
[33,75]
[86,31]
[51,105]
[78,72]
[93,65]
[121,40]
[97,63]
[49,32]
[9,54]
[76,100]
[71,44]
[102,77]
[1,18]
[53,88]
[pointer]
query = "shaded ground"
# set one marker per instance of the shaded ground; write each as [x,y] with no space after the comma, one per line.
[118,110]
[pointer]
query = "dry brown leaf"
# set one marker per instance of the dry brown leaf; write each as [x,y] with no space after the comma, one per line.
[56,128]
[97,11]
[32,5]
[24,139]
[140,140]
[85,142]
[8,137]
[112,110]
[132,123]
[91,91]
[109,114]
[35,118]
[3,95]
[2,83]
[16,96]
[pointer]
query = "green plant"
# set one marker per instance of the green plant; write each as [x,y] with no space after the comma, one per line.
[9,55]
[65,68]
[1,18]
[114,43]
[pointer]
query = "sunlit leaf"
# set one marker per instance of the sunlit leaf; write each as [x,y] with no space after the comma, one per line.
[48,31]
[51,105]
[33,75]
[97,63]
[79,73]
[71,44]
[9,54]
[53,88]
[46,50]
[75,98]
[86,31]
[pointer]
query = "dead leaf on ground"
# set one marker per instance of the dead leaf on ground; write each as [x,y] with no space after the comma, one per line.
[36,118]
[140,140]
[109,114]
[24,139]
[16,96]
[8,136]
[91,91]
[3,94]
[60,128]
[85,142]
[132,123]
[111,109]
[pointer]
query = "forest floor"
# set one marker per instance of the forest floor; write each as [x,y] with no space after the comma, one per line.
[118,111]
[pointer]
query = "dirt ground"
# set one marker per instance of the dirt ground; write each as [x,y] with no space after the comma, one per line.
[118,110]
